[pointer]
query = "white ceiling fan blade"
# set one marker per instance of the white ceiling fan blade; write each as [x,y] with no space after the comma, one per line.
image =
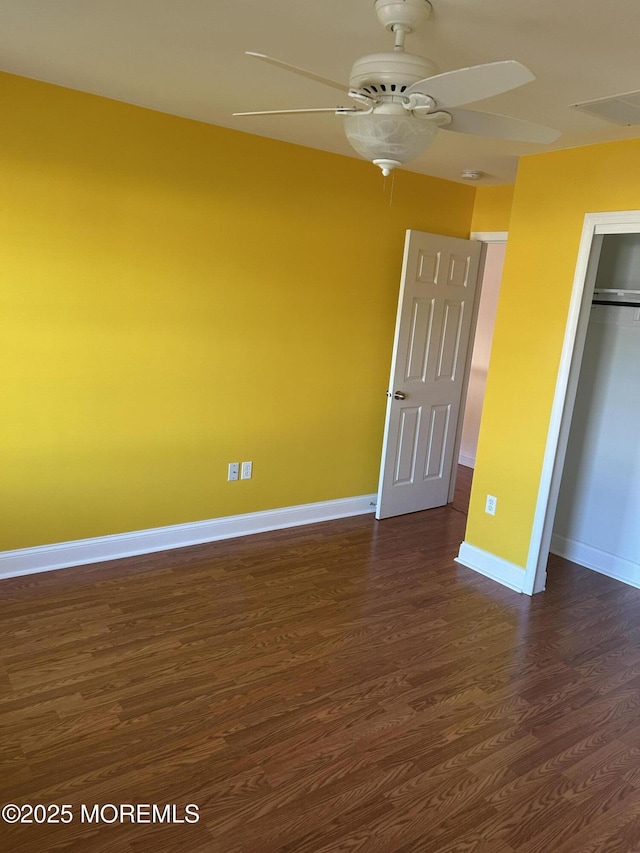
[500,127]
[336,110]
[467,85]
[311,75]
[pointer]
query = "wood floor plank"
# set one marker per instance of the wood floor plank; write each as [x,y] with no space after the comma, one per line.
[338,687]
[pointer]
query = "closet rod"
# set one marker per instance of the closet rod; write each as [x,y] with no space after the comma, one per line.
[620,302]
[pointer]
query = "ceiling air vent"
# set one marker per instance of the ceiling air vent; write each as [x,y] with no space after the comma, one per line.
[620,109]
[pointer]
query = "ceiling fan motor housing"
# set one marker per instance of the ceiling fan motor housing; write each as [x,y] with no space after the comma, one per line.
[390,73]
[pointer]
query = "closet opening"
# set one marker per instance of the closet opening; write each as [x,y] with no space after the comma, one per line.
[589,497]
[598,510]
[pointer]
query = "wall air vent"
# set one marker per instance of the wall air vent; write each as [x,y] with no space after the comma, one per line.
[620,109]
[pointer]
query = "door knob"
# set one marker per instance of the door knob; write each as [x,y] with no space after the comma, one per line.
[397,395]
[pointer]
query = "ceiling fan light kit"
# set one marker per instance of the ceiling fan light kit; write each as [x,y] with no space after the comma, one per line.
[388,139]
[403,101]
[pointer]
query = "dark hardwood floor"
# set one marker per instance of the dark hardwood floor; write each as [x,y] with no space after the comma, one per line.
[338,687]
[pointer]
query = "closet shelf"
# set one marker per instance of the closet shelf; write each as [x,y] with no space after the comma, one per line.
[616,291]
[616,298]
[620,297]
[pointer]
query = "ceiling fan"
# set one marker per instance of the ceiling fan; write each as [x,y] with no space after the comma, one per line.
[402,102]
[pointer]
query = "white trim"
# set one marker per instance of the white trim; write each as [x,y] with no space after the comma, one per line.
[47,558]
[600,561]
[617,222]
[595,224]
[467,461]
[502,571]
[489,236]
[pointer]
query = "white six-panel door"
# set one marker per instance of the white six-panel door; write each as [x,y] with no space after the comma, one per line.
[433,327]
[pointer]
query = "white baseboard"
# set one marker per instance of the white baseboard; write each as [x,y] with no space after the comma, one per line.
[502,571]
[48,558]
[467,461]
[603,562]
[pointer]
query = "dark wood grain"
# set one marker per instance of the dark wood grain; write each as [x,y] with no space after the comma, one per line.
[344,686]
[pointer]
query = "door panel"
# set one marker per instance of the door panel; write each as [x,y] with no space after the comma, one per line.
[459,269]
[450,341]
[407,446]
[420,343]
[433,327]
[437,442]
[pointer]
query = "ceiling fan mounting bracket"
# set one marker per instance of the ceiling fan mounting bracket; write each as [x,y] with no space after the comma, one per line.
[402,15]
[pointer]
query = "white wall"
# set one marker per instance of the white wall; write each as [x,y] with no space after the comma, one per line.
[598,517]
[619,264]
[491,279]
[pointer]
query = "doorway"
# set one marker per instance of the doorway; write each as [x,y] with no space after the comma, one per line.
[491,277]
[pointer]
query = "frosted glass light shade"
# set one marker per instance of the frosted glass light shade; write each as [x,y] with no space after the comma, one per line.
[390,139]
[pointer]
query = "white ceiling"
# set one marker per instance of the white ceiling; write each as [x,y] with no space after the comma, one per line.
[187,57]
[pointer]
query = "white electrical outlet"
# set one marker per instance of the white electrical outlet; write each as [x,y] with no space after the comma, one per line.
[234,468]
[247,470]
[491,504]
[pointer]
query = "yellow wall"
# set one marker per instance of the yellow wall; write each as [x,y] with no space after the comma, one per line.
[492,208]
[176,296]
[553,193]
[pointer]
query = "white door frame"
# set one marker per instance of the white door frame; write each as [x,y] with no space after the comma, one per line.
[490,236]
[596,225]
[484,237]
